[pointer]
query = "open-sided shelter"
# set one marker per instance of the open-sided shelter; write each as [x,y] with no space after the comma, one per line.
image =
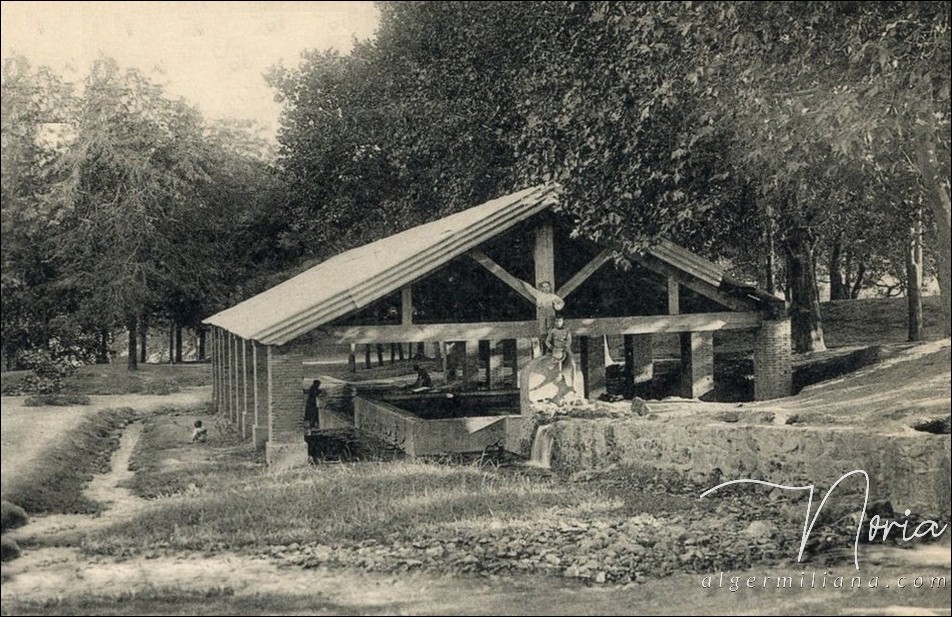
[467,281]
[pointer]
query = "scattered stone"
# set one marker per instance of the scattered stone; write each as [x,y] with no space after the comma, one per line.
[639,406]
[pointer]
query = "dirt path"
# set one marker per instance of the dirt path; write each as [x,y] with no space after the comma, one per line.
[26,432]
[119,502]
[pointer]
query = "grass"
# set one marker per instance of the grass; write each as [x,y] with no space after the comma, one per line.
[55,400]
[55,484]
[233,508]
[166,463]
[115,378]
[180,601]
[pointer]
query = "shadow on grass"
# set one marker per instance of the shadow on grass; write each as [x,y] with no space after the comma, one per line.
[179,601]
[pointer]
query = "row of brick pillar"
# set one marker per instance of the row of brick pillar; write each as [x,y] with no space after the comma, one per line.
[258,388]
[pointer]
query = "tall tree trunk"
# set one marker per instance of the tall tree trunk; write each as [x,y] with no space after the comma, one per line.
[805,321]
[143,338]
[858,282]
[770,279]
[914,282]
[940,205]
[131,324]
[838,288]
[178,343]
[172,342]
[379,354]
[367,363]
[102,356]
[201,343]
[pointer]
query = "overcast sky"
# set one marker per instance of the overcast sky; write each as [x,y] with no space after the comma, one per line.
[211,53]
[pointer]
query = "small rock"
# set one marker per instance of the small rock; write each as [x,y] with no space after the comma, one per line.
[639,406]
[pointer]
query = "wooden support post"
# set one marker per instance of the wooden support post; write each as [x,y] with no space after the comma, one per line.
[443,357]
[674,297]
[544,258]
[406,306]
[697,364]
[352,358]
[494,363]
[471,365]
[367,363]
[400,351]
[639,360]
[393,353]
[592,352]
[379,354]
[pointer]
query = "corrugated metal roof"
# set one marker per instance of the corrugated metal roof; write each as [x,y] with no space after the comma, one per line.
[360,276]
[357,277]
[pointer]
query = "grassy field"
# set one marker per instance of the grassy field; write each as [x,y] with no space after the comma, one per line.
[245,509]
[116,378]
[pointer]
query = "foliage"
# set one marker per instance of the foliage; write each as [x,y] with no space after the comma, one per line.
[120,202]
[48,374]
[11,516]
[703,122]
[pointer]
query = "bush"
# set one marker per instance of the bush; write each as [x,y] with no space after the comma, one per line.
[55,400]
[47,374]
[9,550]
[11,516]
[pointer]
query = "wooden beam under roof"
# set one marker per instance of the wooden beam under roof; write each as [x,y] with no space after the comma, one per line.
[736,303]
[499,272]
[650,324]
[584,273]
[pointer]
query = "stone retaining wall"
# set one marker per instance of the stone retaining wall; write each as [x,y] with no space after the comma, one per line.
[912,469]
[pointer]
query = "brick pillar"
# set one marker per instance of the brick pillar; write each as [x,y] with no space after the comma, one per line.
[246,411]
[226,375]
[219,372]
[471,364]
[592,352]
[773,373]
[214,371]
[697,364]
[523,357]
[236,382]
[285,405]
[495,364]
[259,365]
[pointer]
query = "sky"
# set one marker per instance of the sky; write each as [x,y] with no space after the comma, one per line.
[211,53]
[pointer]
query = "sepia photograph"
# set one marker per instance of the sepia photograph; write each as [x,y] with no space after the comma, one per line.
[476,308]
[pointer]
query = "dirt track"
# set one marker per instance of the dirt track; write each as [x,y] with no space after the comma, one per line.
[25,432]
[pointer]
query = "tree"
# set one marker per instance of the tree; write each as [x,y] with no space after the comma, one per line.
[130,175]
[36,108]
